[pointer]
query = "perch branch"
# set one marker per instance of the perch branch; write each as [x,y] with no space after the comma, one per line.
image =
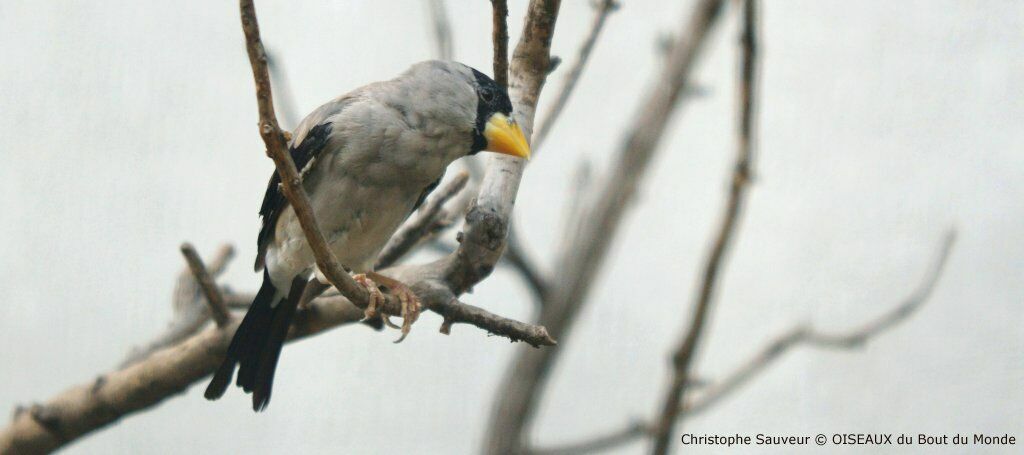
[169,371]
[516,404]
[682,360]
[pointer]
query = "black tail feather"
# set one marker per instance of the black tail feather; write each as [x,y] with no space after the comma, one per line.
[266,358]
[257,344]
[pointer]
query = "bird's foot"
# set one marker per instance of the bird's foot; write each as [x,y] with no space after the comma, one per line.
[411,305]
[376,297]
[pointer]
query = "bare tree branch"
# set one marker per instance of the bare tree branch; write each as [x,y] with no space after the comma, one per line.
[166,373]
[800,335]
[602,9]
[190,310]
[521,389]
[483,240]
[169,371]
[683,357]
[214,299]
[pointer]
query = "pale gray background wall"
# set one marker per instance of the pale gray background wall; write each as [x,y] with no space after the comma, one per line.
[128,127]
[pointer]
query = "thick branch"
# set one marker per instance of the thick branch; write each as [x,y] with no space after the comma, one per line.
[167,372]
[773,351]
[483,240]
[602,9]
[516,404]
[683,357]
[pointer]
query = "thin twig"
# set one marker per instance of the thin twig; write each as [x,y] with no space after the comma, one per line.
[458,312]
[522,388]
[214,298]
[277,149]
[500,38]
[682,360]
[601,443]
[602,9]
[429,218]
[190,310]
[442,29]
[713,394]
[808,336]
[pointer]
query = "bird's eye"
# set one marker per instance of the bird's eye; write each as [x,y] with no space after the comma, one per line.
[487,94]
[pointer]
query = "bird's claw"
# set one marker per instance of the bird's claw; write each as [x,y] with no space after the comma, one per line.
[376,297]
[411,305]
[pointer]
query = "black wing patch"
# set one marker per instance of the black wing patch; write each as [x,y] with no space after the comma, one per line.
[425,193]
[274,201]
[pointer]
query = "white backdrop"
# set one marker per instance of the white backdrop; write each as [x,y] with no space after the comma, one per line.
[126,128]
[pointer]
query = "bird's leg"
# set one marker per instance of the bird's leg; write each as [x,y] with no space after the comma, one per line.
[376,297]
[410,302]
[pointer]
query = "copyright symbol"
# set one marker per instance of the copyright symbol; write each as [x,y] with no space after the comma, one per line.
[820,439]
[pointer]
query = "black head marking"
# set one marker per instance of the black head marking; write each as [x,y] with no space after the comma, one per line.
[491,99]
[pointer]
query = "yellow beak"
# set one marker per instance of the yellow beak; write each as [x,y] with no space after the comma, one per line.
[504,136]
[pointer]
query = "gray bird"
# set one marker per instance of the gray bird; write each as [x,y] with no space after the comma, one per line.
[368,159]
